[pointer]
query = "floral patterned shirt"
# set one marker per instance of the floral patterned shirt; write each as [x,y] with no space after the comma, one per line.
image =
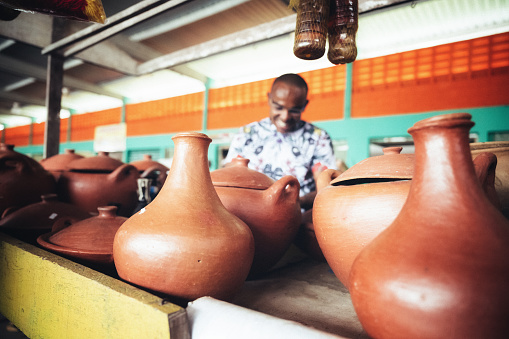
[278,154]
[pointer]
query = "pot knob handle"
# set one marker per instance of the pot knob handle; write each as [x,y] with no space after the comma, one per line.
[326,177]
[285,189]
[123,172]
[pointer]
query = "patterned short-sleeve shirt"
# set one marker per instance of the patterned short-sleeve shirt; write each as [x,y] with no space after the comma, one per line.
[278,154]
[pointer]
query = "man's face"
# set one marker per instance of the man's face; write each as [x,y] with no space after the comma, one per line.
[286,102]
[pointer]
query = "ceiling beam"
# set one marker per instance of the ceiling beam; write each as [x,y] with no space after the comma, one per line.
[32,29]
[17,67]
[76,43]
[22,30]
[4,112]
[144,53]
[23,99]
[245,37]
[186,14]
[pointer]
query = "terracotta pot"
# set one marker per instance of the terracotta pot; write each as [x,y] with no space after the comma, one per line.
[151,169]
[58,163]
[270,209]
[441,269]
[22,179]
[357,205]
[90,240]
[32,220]
[501,150]
[185,243]
[100,181]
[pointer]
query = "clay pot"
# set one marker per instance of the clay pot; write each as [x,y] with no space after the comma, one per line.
[441,269]
[58,163]
[185,243]
[100,181]
[358,204]
[151,169]
[501,151]
[22,179]
[270,209]
[90,240]
[32,220]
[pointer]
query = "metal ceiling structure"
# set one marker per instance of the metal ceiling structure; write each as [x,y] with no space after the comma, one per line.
[190,39]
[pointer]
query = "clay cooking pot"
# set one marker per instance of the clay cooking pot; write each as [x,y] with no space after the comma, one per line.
[270,208]
[100,181]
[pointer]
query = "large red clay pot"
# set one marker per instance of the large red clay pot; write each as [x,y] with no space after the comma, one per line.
[89,240]
[501,150]
[185,243]
[100,181]
[58,163]
[22,179]
[441,269]
[357,205]
[270,208]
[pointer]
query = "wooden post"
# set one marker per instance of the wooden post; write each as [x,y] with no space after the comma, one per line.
[54,83]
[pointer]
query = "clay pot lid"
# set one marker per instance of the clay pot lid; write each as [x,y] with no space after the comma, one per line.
[59,162]
[102,162]
[392,165]
[90,239]
[147,163]
[238,174]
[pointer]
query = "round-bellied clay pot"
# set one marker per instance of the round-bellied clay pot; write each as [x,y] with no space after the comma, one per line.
[185,243]
[100,181]
[58,163]
[501,151]
[30,221]
[270,208]
[358,204]
[151,169]
[89,240]
[441,269]
[22,179]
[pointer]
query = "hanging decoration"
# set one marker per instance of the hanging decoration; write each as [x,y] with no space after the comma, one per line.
[319,20]
[83,10]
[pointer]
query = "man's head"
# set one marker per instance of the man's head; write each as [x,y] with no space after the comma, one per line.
[287,101]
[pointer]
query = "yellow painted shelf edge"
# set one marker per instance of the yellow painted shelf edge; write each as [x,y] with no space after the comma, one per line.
[47,296]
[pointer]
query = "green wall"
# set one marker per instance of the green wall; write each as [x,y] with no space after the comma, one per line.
[357,133]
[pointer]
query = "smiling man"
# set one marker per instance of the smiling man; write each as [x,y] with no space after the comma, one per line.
[283,144]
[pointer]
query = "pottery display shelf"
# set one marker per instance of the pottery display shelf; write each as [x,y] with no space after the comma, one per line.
[68,299]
